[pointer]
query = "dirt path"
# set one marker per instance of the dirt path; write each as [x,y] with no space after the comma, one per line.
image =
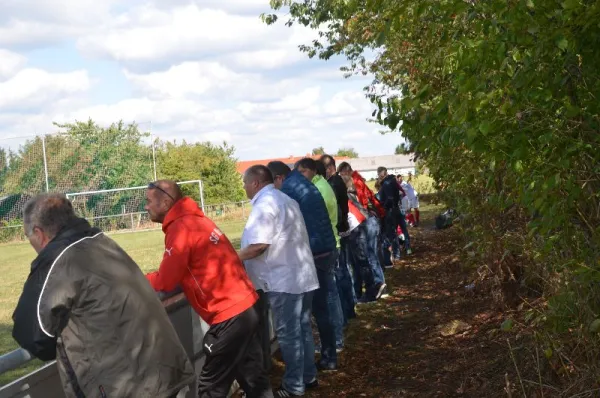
[399,347]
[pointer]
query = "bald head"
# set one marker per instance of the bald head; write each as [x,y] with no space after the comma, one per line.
[256,178]
[168,187]
[260,173]
[160,197]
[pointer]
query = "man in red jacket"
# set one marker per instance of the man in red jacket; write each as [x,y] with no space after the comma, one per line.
[199,258]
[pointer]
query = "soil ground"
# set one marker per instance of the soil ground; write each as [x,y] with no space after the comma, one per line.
[429,338]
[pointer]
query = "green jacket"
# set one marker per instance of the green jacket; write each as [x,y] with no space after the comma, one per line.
[330,202]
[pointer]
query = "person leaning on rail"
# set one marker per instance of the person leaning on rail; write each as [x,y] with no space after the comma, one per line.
[199,258]
[87,304]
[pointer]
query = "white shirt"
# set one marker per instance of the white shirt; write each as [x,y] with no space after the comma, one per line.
[410,191]
[352,222]
[405,204]
[287,266]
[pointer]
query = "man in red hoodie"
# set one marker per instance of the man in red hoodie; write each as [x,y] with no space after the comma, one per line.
[199,258]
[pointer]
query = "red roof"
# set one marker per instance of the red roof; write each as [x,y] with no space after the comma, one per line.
[290,161]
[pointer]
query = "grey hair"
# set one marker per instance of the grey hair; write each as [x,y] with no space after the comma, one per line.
[50,212]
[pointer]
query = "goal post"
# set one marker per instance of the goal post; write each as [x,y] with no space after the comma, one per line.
[123,208]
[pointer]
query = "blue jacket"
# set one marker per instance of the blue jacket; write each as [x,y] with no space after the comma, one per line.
[314,211]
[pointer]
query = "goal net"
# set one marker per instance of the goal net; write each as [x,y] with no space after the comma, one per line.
[123,208]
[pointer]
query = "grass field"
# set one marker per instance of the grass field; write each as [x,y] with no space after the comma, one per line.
[146,248]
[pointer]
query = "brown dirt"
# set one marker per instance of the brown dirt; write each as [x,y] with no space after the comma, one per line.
[395,348]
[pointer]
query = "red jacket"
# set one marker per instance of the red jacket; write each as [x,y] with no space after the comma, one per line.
[365,195]
[360,217]
[200,258]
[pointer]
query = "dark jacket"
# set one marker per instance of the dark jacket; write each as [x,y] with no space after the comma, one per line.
[87,303]
[389,194]
[341,195]
[314,211]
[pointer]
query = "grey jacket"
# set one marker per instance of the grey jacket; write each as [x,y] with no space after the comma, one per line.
[87,304]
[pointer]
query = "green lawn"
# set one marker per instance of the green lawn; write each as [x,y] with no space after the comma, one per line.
[146,248]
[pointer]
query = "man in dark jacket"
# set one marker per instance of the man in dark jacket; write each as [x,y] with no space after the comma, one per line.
[389,195]
[87,304]
[323,246]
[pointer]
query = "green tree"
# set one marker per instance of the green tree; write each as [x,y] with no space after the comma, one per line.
[215,165]
[348,152]
[403,149]
[318,151]
[89,157]
[500,99]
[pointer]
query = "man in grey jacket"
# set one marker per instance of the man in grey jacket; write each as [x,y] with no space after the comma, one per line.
[87,304]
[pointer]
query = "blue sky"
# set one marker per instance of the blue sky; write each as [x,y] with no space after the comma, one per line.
[198,70]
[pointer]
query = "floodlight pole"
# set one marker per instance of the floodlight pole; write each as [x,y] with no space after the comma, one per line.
[45,161]
[153,152]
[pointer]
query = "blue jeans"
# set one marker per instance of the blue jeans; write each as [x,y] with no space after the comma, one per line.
[345,287]
[373,237]
[327,309]
[291,315]
[404,228]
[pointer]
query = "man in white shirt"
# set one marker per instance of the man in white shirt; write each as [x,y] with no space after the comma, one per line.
[279,261]
[413,197]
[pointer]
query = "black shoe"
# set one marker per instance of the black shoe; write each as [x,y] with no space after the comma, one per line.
[365,300]
[282,393]
[380,291]
[313,384]
[324,367]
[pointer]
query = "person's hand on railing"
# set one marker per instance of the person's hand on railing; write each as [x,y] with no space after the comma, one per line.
[162,296]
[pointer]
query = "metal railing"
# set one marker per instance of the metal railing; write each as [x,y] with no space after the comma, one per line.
[45,381]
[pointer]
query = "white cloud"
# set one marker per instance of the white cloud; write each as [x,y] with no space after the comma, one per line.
[192,78]
[34,87]
[197,69]
[10,63]
[347,103]
[189,33]
[148,33]
[36,23]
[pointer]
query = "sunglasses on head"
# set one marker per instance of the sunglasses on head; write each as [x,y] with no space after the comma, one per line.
[153,185]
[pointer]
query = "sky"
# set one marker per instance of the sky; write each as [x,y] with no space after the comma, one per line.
[206,70]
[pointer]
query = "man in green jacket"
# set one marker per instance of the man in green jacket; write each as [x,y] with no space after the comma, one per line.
[308,168]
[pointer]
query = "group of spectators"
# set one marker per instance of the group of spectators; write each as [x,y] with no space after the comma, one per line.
[316,244]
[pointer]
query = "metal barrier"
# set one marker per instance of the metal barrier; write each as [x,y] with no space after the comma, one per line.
[45,381]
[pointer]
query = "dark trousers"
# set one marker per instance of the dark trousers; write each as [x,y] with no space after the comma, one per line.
[264,329]
[233,352]
[327,309]
[345,285]
[390,227]
[363,272]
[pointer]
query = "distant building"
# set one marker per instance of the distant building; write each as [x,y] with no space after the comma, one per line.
[290,161]
[395,164]
[367,166]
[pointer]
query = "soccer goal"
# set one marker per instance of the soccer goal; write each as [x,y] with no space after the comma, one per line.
[123,208]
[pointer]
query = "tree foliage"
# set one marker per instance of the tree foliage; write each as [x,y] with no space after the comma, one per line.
[213,164]
[318,151]
[347,152]
[87,157]
[500,99]
[402,149]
